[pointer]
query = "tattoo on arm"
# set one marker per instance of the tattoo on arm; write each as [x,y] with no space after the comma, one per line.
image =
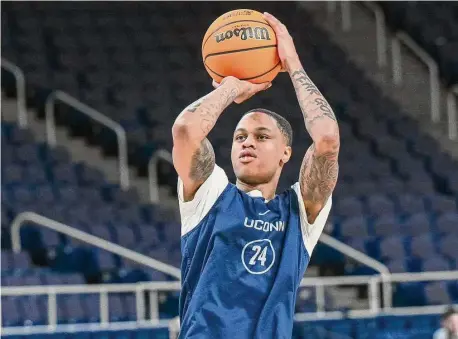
[313,104]
[318,175]
[203,162]
[319,170]
[193,107]
[210,107]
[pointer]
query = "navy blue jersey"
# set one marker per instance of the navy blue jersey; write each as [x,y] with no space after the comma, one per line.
[242,260]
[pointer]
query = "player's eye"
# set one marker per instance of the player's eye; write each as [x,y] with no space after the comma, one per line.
[263,137]
[240,137]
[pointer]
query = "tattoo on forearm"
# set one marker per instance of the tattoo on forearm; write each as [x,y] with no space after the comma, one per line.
[203,162]
[313,108]
[302,79]
[318,175]
[194,106]
[210,108]
[325,108]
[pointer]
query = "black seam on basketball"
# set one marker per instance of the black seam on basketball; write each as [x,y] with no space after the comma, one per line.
[220,75]
[257,76]
[238,50]
[260,75]
[230,23]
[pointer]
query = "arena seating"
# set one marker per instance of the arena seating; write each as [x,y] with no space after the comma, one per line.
[434,26]
[37,178]
[140,64]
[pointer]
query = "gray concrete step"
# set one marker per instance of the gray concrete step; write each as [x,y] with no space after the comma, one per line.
[413,94]
[80,151]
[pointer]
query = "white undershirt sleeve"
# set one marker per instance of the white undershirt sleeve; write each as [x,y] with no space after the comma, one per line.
[194,211]
[311,232]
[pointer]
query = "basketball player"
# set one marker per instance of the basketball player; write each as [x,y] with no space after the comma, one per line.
[245,248]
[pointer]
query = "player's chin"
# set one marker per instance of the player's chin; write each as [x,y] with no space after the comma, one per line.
[249,174]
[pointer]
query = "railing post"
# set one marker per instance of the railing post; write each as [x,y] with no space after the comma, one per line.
[396,61]
[50,119]
[104,308]
[452,112]
[320,300]
[374,297]
[95,115]
[152,173]
[434,83]
[140,304]
[380,31]
[153,306]
[52,309]
[20,91]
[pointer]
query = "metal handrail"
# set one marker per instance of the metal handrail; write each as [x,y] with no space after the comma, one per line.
[452,112]
[20,91]
[374,302]
[346,25]
[366,260]
[154,287]
[434,83]
[380,27]
[91,327]
[103,289]
[95,115]
[361,314]
[152,173]
[21,218]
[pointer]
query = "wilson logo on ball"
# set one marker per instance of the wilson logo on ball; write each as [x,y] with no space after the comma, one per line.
[258,33]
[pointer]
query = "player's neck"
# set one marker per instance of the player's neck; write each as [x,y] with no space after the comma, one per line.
[268,190]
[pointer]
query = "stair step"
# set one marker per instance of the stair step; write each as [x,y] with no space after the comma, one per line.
[413,94]
[80,151]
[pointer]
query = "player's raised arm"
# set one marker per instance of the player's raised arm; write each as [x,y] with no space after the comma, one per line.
[193,155]
[319,170]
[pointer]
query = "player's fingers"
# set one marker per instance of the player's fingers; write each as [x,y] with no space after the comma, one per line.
[215,84]
[275,23]
[271,19]
[263,86]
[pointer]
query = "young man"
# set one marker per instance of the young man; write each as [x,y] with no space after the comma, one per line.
[449,325]
[244,248]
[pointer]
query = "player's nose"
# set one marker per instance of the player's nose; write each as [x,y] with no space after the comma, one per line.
[249,142]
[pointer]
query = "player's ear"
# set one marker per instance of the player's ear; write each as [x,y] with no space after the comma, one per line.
[286,154]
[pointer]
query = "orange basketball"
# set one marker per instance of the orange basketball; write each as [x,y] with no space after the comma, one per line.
[242,44]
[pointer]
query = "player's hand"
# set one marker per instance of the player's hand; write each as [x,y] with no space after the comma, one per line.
[285,44]
[246,89]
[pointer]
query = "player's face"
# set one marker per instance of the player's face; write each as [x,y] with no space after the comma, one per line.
[259,149]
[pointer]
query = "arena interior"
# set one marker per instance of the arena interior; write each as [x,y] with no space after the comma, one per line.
[90,91]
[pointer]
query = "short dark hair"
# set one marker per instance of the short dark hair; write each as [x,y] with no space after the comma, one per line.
[448,312]
[283,125]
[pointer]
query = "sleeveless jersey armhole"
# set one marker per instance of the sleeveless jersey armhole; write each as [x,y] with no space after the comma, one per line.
[311,232]
[194,211]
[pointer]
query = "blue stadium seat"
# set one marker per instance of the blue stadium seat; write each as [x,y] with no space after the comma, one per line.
[422,246]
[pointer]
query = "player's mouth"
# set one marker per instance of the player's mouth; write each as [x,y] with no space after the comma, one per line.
[247,156]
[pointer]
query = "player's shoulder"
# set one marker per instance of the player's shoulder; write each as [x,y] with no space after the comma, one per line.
[194,211]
